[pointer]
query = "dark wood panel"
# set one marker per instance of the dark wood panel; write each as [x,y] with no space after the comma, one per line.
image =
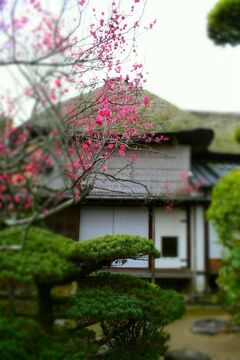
[66,222]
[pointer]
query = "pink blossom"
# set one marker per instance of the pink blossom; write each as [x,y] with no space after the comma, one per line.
[114,101]
[184,175]
[28,91]
[53,97]
[75,164]
[18,178]
[99,120]
[32,167]
[28,204]
[53,132]
[146,100]
[73,176]
[47,40]
[17,198]
[86,148]
[104,112]
[121,150]
[106,154]
[58,82]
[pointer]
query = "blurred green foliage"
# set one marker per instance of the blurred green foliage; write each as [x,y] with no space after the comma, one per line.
[24,339]
[225,215]
[131,312]
[223,22]
[237,135]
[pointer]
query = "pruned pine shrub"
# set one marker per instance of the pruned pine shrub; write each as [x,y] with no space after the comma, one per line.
[129,313]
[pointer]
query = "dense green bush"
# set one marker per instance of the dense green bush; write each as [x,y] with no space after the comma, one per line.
[24,339]
[223,22]
[130,313]
[18,338]
[133,310]
[225,208]
[149,347]
[225,215]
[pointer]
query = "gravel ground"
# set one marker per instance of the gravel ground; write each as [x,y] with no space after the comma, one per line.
[224,346]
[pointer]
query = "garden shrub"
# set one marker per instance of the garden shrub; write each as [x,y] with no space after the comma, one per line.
[225,215]
[24,339]
[131,312]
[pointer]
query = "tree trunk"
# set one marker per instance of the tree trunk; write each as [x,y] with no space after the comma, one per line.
[45,311]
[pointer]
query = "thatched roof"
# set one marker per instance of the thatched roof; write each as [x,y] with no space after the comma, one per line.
[224,126]
[166,117]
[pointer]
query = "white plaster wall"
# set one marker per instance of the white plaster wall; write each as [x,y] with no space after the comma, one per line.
[192,238]
[200,283]
[198,247]
[95,221]
[200,239]
[215,249]
[171,223]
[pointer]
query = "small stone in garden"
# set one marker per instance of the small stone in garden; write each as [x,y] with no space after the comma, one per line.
[209,326]
[186,355]
[60,322]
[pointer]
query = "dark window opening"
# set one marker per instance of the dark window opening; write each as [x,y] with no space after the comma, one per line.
[169,246]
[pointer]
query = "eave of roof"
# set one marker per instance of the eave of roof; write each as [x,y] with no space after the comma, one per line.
[207,171]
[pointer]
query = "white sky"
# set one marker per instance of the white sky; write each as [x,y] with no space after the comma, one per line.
[184,66]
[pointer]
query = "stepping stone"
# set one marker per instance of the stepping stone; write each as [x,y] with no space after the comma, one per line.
[186,355]
[209,326]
